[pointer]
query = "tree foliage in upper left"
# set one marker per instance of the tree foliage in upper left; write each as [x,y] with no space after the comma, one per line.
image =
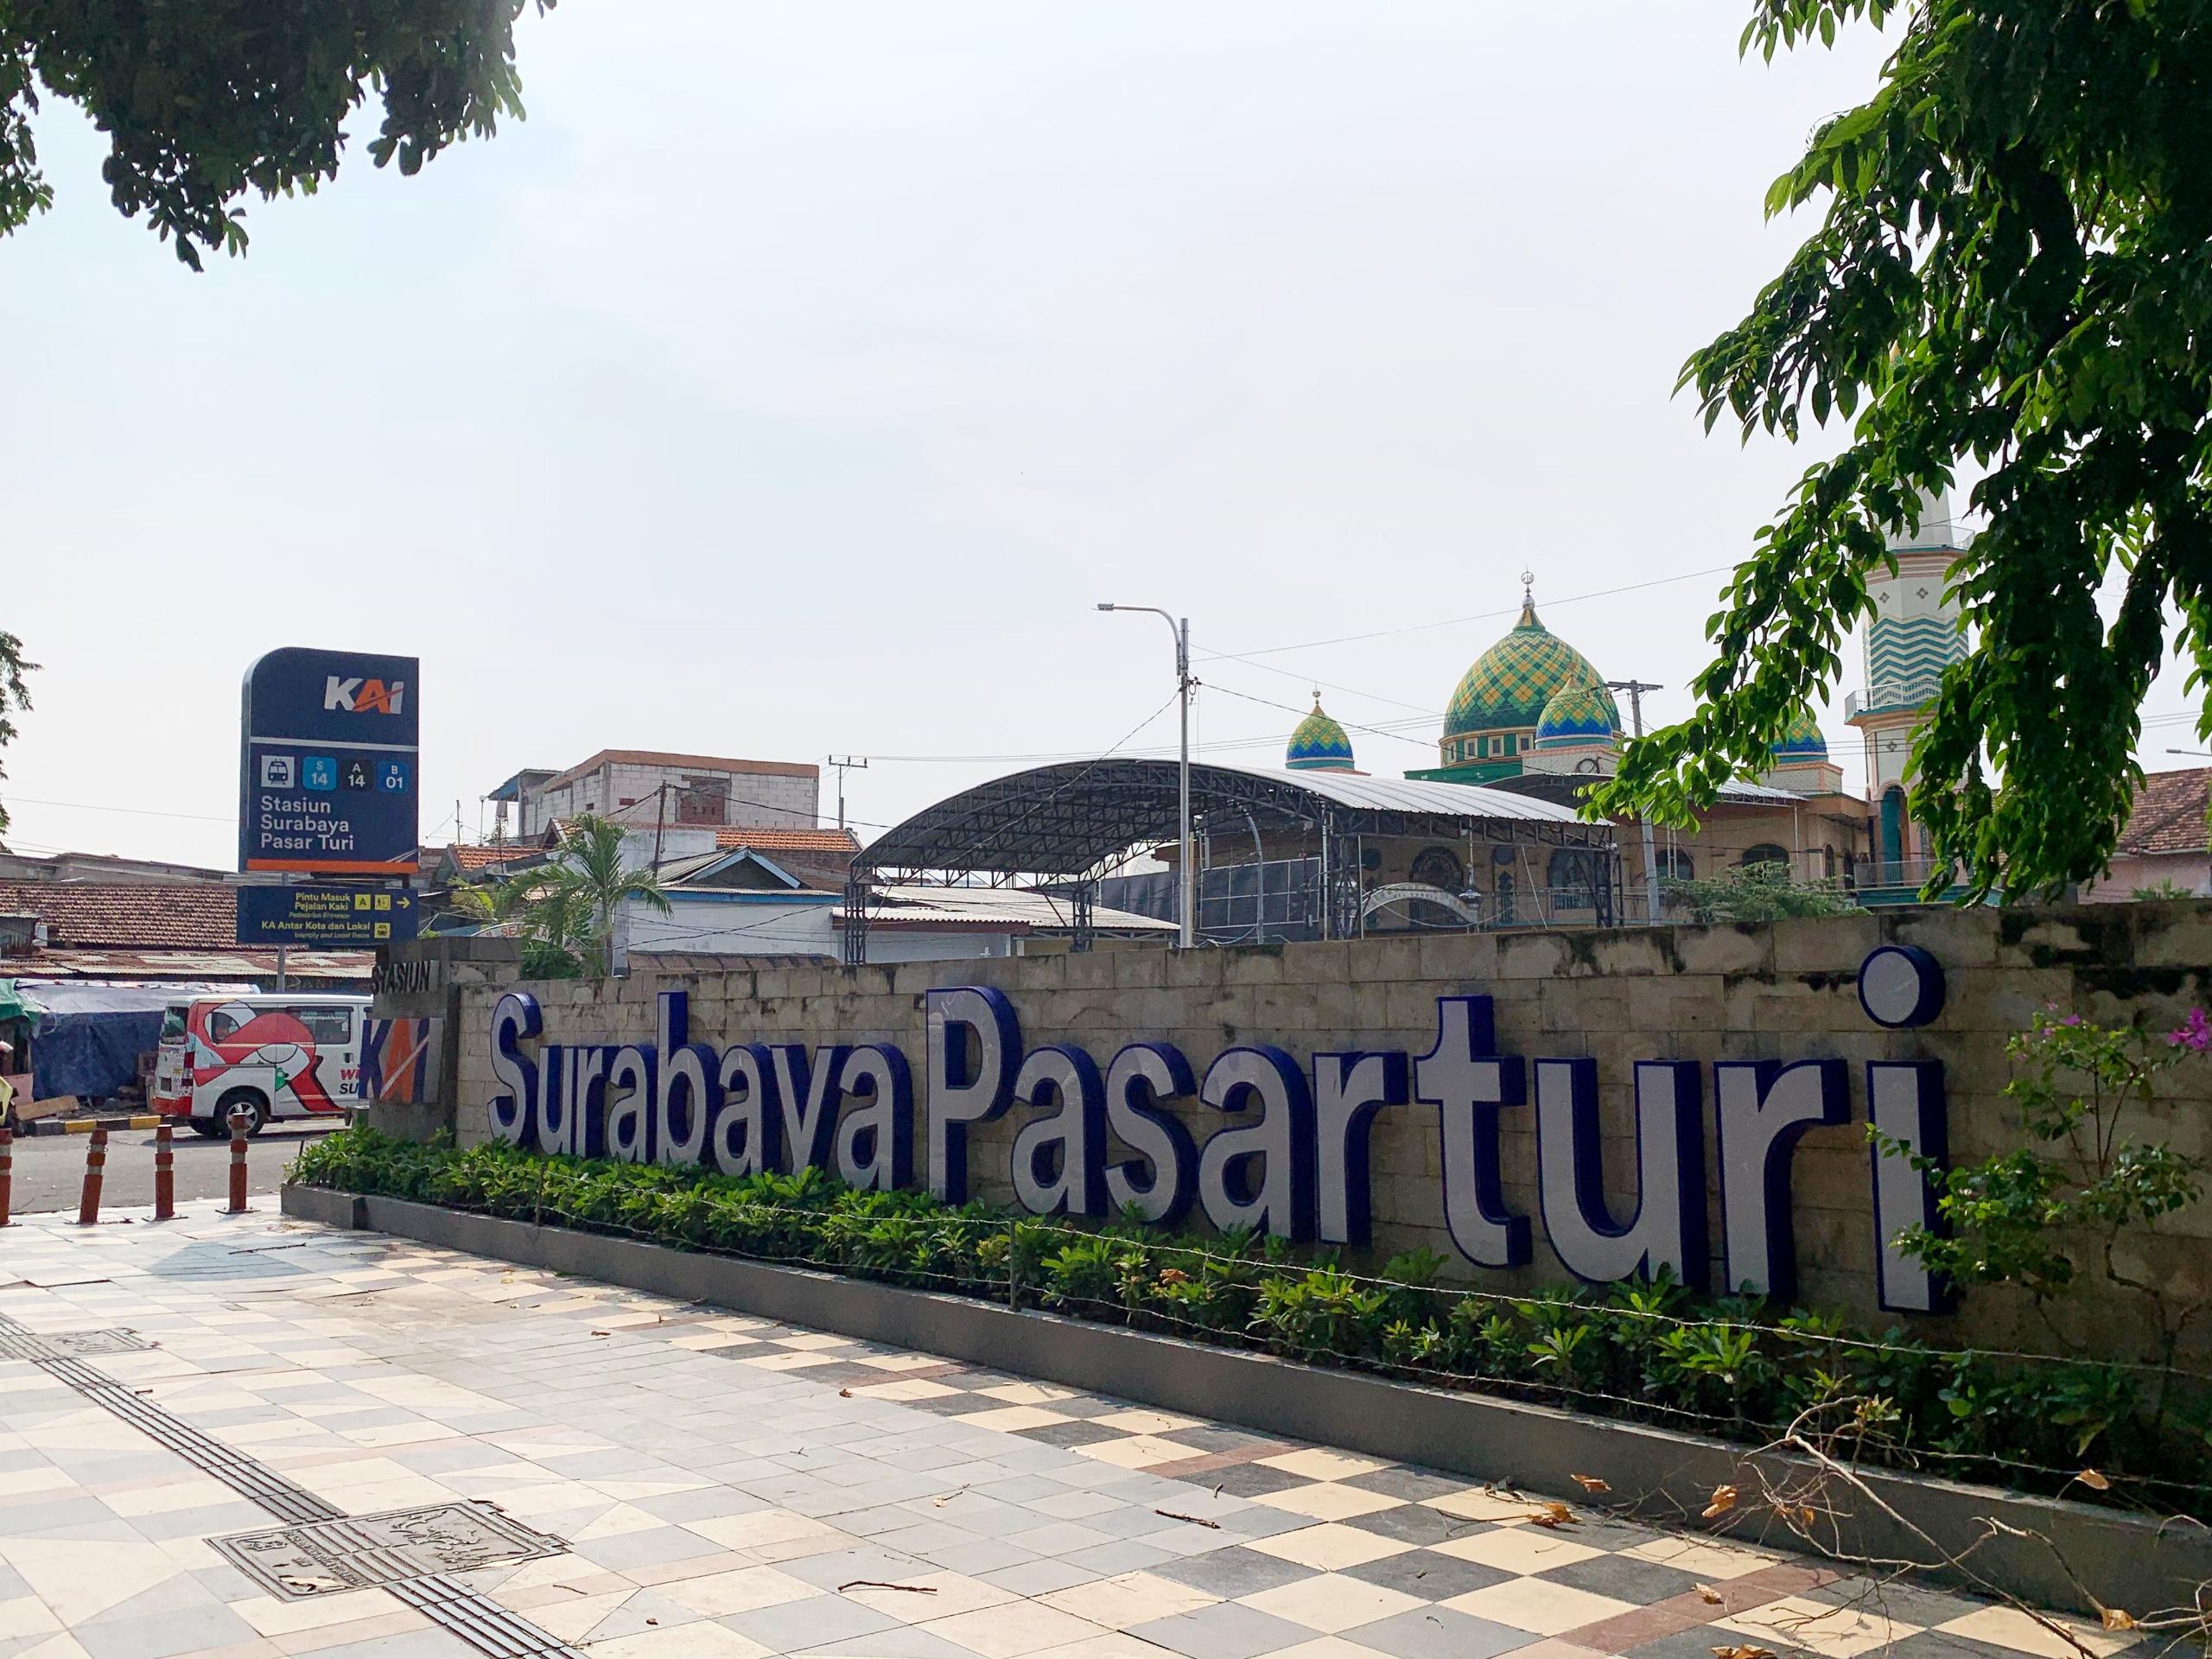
[201,103]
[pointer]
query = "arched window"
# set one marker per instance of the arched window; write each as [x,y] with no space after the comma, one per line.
[1438,867]
[1766,853]
[1506,912]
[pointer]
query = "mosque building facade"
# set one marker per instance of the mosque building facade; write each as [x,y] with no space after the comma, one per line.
[1534,715]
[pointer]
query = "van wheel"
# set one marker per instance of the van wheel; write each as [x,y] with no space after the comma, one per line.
[252,1100]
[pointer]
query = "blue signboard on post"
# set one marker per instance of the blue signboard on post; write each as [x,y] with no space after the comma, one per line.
[326,783]
[326,917]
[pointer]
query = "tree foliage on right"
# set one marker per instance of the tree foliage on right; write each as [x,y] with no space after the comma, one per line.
[2013,264]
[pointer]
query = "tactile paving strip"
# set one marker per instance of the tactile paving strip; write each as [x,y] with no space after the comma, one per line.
[480,1621]
[473,1617]
[244,1475]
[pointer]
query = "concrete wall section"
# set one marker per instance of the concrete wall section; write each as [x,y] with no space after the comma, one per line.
[1779,994]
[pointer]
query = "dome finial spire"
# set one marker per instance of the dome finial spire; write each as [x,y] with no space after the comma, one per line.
[1527,598]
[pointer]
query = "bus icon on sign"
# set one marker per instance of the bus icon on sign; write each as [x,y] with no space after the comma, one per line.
[277,771]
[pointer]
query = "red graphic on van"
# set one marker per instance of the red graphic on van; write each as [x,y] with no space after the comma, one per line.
[268,1057]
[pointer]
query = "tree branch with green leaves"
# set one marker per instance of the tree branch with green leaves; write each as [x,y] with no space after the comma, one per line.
[202,103]
[2013,264]
[15,696]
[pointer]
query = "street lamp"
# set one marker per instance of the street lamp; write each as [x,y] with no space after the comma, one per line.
[1185,877]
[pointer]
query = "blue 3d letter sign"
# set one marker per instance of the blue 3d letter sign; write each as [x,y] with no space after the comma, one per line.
[1290,1157]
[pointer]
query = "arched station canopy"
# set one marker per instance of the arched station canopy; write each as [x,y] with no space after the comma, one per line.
[1073,820]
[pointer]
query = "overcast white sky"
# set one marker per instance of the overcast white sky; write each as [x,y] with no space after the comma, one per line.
[798,377]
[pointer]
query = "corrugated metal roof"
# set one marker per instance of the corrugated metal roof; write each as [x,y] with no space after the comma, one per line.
[1073,817]
[1759,795]
[921,906]
[1410,794]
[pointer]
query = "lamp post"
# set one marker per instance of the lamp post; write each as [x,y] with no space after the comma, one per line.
[1185,877]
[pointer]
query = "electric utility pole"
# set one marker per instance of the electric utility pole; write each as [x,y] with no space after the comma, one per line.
[1636,689]
[850,762]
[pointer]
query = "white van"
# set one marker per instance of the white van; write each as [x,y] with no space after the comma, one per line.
[279,1055]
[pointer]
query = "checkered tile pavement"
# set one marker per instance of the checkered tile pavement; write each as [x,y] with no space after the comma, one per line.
[731,1487]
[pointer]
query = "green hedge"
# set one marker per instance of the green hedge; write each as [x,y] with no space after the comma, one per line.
[1652,1352]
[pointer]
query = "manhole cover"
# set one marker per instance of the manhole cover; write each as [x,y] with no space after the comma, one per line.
[68,1345]
[328,1557]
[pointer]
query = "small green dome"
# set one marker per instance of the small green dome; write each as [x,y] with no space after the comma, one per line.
[1802,738]
[1318,744]
[1578,715]
[1510,683]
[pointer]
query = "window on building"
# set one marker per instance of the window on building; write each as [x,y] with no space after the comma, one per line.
[703,800]
[1572,875]
[1766,853]
[1506,910]
[1675,864]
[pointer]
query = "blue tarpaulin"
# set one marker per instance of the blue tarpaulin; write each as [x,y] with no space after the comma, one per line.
[86,1038]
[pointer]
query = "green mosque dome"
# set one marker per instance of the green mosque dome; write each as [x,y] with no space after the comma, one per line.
[1577,715]
[1508,687]
[1802,738]
[1318,744]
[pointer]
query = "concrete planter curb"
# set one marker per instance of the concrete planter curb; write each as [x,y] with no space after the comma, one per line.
[2120,1560]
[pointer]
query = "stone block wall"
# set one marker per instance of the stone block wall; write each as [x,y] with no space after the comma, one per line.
[1785,991]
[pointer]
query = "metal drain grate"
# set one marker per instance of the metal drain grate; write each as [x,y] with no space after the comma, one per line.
[330,1557]
[410,1549]
[18,1343]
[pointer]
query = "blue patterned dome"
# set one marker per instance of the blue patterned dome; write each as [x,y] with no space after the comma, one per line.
[1318,744]
[1802,740]
[1577,715]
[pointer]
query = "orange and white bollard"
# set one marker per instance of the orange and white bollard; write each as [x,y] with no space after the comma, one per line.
[164,1174]
[7,1172]
[239,1118]
[88,1207]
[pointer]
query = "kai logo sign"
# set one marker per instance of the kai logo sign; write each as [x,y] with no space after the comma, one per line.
[1288,1153]
[359,696]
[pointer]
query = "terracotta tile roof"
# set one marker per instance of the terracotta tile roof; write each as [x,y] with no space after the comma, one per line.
[689,762]
[127,915]
[2169,815]
[841,843]
[484,858]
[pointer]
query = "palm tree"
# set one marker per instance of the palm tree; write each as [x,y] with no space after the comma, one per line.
[536,906]
[591,881]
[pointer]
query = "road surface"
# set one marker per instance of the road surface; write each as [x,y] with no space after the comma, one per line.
[50,1168]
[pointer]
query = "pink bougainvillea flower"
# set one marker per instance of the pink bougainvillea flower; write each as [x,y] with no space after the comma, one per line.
[2194,1033]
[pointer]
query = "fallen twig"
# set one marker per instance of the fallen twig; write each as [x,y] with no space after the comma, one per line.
[1195,1520]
